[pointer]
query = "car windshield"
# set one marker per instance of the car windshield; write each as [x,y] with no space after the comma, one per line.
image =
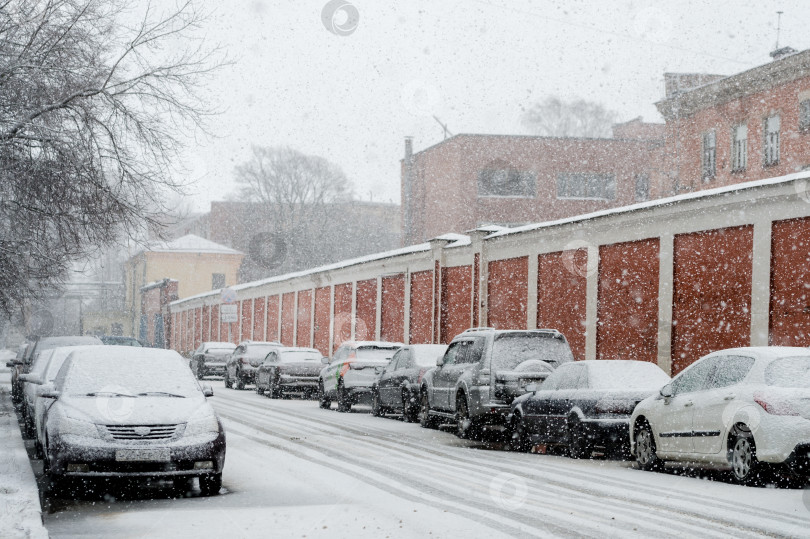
[128,376]
[218,351]
[789,372]
[258,351]
[425,356]
[626,375]
[293,356]
[512,349]
[375,352]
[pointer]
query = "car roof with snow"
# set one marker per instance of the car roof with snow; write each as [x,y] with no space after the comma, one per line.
[372,344]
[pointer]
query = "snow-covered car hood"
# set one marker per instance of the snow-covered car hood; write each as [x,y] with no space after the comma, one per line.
[133,411]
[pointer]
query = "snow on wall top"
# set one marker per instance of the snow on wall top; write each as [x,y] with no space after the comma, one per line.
[190,243]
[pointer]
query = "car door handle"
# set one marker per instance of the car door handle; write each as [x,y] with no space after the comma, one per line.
[729,396]
[688,403]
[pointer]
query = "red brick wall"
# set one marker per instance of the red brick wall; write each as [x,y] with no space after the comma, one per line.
[392,317]
[322,315]
[272,319]
[258,318]
[507,292]
[711,305]
[456,301]
[287,318]
[627,326]
[303,336]
[246,313]
[366,310]
[206,323]
[561,296]
[790,283]
[421,312]
[343,314]
[215,323]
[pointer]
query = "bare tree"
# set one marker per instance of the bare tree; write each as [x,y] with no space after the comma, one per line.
[294,191]
[91,116]
[554,117]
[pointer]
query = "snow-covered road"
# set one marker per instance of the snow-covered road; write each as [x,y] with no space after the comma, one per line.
[295,470]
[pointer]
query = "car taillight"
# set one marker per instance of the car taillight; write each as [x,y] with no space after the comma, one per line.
[775,406]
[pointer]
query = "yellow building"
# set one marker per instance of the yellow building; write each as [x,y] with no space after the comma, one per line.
[197,264]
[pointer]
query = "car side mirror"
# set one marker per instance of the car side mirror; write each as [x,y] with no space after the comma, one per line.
[440,361]
[531,388]
[26,377]
[207,390]
[48,392]
[13,363]
[379,370]
[666,391]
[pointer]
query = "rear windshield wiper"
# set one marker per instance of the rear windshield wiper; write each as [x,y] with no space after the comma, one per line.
[160,394]
[108,394]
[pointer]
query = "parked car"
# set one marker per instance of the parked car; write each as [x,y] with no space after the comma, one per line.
[396,389]
[29,383]
[16,369]
[747,409]
[119,340]
[210,359]
[289,369]
[585,404]
[351,373]
[483,371]
[128,412]
[244,361]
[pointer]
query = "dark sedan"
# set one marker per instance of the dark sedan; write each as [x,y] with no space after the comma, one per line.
[244,361]
[289,370]
[397,388]
[585,404]
[210,359]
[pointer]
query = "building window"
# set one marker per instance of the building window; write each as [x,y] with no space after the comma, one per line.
[217,281]
[642,187]
[804,115]
[586,185]
[771,157]
[709,155]
[739,148]
[499,179]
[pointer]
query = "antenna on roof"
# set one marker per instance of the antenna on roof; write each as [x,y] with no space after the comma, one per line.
[778,27]
[444,126]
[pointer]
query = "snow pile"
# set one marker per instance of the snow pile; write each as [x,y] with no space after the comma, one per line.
[20,511]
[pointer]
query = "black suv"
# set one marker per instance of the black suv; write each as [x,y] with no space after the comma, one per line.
[483,371]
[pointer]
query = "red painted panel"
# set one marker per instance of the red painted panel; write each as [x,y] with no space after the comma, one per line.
[392,318]
[258,318]
[561,295]
[215,323]
[365,327]
[343,315]
[711,304]
[183,331]
[246,311]
[790,283]
[476,290]
[456,301]
[272,319]
[175,347]
[507,293]
[287,318]
[206,323]
[322,314]
[197,328]
[421,312]
[627,325]
[303,336]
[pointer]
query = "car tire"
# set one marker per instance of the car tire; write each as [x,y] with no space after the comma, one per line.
[644,452]
[745,467]
[344,403]
[426,420]
[259,388]
[240,382]
[323,401]
[465,426]
[376,407]
[210,484]
[227,378]
[580,444]
[410,412]
[520,437]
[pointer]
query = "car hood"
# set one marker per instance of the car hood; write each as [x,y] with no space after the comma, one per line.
[134,411]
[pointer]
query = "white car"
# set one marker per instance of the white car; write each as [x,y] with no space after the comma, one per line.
[741,408]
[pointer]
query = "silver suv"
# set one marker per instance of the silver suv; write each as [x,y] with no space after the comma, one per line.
[482,371]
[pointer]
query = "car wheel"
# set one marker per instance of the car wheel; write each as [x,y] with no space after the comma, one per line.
[210,484]
[199,372]
[323,401]
[376,407]
[240,382]
[465,427]
[580,445]
[425,419]
[743,456]
[520,437]
[410,412]
[344,403]
[228,382]
[259,388]
[646,457]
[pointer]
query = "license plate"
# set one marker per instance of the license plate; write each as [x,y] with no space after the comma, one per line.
[142,455]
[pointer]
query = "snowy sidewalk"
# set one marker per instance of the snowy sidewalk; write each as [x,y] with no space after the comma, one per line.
[20,511]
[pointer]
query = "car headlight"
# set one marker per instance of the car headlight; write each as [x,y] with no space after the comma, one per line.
[206,425]
[77,427]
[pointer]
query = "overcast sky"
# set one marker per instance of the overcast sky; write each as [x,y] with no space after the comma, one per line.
[476,65]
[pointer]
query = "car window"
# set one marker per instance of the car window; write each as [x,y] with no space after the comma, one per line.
[789,372]
[512,349]
[453,351]
[342,353]
[694,379]
[393,365]
[403,358]
[572,376]
[475,349]
[271,358]
[554,379]
[730,370]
